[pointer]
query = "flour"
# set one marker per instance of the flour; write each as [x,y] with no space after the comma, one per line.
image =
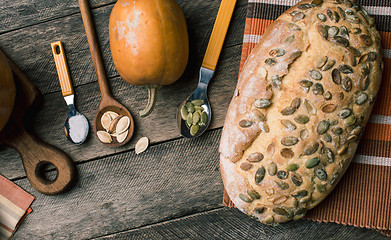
[78,128]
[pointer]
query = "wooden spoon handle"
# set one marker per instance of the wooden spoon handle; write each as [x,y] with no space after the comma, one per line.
[62,68]
[36,155]
[94,48]
[218,34]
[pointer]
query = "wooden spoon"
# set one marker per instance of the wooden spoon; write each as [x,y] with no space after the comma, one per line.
[107,103]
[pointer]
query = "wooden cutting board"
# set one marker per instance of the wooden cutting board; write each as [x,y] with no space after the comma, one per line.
[36,154]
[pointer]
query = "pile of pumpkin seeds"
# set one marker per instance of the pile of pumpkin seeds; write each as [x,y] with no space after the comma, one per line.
[114,125]
[194,115]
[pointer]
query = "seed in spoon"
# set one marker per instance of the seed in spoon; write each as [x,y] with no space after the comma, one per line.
[184,113]
[122,136]
[122,125]
[141,145]
[194,129]
[104,136]
[106,120]
[113,124]
[197,102]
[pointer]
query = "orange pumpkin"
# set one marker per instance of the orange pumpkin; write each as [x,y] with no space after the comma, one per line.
[7,91]
[149,43]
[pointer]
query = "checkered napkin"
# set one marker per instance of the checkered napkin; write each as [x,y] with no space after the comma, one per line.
[14,207]
[363,196]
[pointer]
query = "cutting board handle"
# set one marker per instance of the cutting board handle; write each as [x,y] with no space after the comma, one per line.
[36,156]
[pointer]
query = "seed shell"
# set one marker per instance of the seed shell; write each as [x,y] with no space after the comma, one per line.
[262,103]
[288,124]
[243,123]
[287,153]
[310,107]
[296,179]
[328,65]
[329,108]
[246,166]
[104,136]
[336,76]
[122,136]
[289,141]
[141,145]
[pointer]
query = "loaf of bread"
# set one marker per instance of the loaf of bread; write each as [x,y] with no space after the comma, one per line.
[7,91]
[302,100]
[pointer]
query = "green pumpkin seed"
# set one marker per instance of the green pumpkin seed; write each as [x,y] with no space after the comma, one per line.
[294,56]
[330,14]
[276,81]
[287,153]
[347,84]
[280,211]
[258,114]
[288,124]
[260,175]
[321,62]
[190,107]
[282,174]
[312,162]
[292,167]
[354,51]
[288,111]
[189,119]
[318,89]
[349,121]
[364,82]
[298,16]
[366,39]
[204,118]
[323,126]
[333,31]
[303,134]
[305,6]
[327,95]
[341,12]
[310,107]
[321,188]
[333,122]
[336,76]
[196,118]
[184,113]
[294,27]
[361,98]
[329,108]
[272,169]
[296,179]
[246,166]
[245,123]
[271,61]
[289,141]
[334,179]
[344,31]
[327,137]
[198,108]
[259,210]
[282,185]
[346,69]
[328,65]
[321,174]
[289,39]
[194,129]
[323,31]
[245,198]
[302,119]
[322,17]
[315,74]
[253,194]
[311,148]
[337,130]
[197,102]
[277,52]
[296,103]
[255,157]
[340,40]
[269,220]
[300,194]
[262,103]
[344,113]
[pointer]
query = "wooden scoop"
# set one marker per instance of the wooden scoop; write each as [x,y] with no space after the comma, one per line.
[107,103]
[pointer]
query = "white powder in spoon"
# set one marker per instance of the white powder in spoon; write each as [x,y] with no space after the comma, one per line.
[78,128]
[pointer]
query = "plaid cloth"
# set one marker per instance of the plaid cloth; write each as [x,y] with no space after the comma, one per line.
[363,196]
[14,207]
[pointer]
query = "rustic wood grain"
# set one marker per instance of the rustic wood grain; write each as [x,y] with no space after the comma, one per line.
[224,223]
[30,47]
[168,181]
[160,126]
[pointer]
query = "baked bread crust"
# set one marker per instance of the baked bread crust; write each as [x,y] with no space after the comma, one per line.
[302,100]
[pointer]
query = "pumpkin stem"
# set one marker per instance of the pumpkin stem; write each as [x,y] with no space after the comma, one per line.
[152,96]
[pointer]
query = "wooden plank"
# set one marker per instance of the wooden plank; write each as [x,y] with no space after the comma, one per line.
[30,47]
[160,126]
[24,13]
[225,223]
[126,190]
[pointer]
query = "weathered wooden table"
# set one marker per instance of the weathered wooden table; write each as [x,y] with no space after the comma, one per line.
[171,191]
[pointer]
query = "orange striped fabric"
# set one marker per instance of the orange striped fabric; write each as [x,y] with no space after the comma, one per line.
[14,207]
[363,196]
